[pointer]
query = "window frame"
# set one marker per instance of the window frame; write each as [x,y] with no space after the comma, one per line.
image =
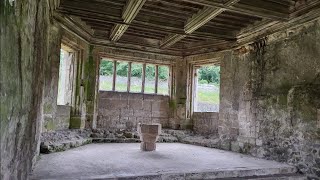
[143,76]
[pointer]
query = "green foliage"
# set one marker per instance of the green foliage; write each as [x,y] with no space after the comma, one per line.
[106,69]
[150,72]
[136,70]
[122,69]
[203,81]
[209,73]
[163,72]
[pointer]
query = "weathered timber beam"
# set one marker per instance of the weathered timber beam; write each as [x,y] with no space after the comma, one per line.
[130,11]
[195,22]
[244,9]
[171,39]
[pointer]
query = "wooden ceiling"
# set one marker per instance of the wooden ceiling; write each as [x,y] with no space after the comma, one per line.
[177,25]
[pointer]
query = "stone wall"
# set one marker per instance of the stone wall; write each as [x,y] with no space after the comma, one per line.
[270,97]
[121,110]
[51,79]
[54,116]
[205,123]
[24,44]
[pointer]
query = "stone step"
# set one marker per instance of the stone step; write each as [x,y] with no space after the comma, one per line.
[183,177]
[210,175]
[270,177]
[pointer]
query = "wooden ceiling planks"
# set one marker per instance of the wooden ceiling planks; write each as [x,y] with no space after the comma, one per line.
[178,23]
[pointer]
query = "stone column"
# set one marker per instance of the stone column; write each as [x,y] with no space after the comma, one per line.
[179,96]
[91,87]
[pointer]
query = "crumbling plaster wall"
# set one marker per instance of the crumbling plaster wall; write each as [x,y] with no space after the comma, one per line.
[270,95]
[24,45]
[122,110]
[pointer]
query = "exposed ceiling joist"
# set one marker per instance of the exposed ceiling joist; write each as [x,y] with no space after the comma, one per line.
[195,22]
[244,9]
[130,11]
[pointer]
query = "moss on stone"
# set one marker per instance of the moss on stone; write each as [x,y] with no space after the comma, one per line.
[50,125]
[282,100]
[75,123]
[47,108]
[172,104]
[90,70]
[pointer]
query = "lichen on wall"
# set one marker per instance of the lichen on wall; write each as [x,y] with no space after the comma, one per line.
[278,85]
[24,36]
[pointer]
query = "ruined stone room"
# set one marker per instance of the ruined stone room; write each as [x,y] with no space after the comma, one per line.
[160,89]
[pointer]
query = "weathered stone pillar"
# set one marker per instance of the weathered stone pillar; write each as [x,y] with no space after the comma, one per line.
[24,44]
[91,87]
[179,96]
[229,103]
[51,79]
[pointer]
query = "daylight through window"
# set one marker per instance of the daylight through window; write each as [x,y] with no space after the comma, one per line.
[134,77]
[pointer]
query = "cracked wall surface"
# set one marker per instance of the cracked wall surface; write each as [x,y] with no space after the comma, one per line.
[24,38]
[270,95]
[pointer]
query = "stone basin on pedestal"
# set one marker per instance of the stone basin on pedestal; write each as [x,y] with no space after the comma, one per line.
[149,134]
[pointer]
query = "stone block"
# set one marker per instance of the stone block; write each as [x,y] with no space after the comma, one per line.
[103,103]
[146,120]
[160,106]
[148,135]
[147,146]
[113,95]
[117,104]
[141,113]
[135,104]
[104,94]
[160,114]
[135,96]
[111,112]
[147,105]
[318,118]
[76,123]
[63,110]
[114,118]
[124,96]
[126,112]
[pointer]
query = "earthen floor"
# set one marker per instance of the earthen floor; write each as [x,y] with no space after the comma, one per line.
[169,161]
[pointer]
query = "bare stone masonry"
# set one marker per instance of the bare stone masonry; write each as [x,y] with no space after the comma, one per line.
[121,110]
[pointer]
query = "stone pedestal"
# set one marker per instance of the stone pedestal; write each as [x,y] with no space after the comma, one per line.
[149,134]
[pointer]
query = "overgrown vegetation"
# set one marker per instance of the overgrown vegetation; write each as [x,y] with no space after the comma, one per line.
[209,75]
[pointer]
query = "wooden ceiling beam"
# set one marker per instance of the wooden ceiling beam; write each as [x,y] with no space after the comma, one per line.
[244,9]
[195,22]
[130,11]
[171,39]
[91,17]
